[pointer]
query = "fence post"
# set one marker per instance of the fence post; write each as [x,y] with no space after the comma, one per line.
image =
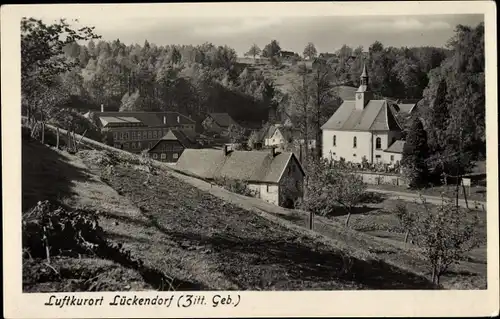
[43,133]
[311,220]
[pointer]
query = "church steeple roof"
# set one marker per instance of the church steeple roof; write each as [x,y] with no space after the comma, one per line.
[364,74]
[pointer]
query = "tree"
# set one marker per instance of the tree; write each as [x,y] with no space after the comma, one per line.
[175,56]
[225,57]
[415,155]
[253,139]
[310,51]
[300,99]
[328,188]
[236,133]
[445,234]
[253,51]
[271,50]
[406,219]
[42,57]
[322,96]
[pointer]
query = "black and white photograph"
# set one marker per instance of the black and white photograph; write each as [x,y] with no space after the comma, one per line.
[163,153]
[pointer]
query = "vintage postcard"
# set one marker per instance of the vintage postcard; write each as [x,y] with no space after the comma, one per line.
[250,159]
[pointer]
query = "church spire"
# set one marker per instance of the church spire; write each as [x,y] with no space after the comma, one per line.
[364,78]
[363,94]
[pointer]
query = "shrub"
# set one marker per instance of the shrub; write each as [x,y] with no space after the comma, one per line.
[234,185]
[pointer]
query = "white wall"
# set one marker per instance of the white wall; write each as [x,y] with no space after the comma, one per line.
[344,145]
[366,145]
[266,192]
[396,157]
[277,139]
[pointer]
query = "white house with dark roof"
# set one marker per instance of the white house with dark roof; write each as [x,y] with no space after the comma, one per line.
[276,177]
[361,128]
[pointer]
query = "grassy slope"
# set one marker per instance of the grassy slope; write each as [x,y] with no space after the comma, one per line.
[200,239]
[53,175]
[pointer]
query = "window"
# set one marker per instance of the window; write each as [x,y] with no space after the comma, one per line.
[155,134]
[378,143]
[267,188]
[138,144]
[354,142]
[133,135]
[126,145]
[126,135]
[335,140]
[115,135]
[116,145]
[392,158]
[133,145]
[159,133]
[163,156]
[150,134]
[145,135]
[354,155]
[155,156]
[121,136]
[176,156]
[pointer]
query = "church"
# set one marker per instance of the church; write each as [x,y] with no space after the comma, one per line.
[364,127]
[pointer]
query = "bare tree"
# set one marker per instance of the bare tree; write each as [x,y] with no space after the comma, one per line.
[445,234]
[253,51]
[300,100]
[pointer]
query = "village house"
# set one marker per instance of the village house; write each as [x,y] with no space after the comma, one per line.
[219,123]
[170,147]
[138,131]
[362,128]
[276,177]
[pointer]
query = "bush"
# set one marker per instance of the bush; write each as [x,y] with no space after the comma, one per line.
[234,185]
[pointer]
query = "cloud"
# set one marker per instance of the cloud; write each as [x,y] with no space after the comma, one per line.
[235,27]
[403,24]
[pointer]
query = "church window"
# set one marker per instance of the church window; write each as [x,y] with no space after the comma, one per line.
[378,143]
[354,142]
[335,140]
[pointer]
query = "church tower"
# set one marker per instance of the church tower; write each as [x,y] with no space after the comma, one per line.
[363,94]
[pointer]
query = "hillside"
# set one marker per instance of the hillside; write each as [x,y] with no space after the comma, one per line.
[202,241]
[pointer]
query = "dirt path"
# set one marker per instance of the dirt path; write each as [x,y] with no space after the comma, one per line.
[411,197]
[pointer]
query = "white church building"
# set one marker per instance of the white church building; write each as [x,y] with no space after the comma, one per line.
[363,127]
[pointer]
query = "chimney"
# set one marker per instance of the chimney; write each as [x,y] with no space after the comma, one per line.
[226,149]
[273,151]
[102,107]
[164,120]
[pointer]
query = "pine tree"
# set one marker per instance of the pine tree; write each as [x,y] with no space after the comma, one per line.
[415,154]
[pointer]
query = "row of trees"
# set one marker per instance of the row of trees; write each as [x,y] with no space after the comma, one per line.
[448,131]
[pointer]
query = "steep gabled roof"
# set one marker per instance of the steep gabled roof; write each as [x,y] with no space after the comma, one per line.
[183,137]
[396,147]
[223,119]
[376,116]
[252,166]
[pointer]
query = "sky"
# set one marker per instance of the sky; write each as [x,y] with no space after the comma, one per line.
[328,33]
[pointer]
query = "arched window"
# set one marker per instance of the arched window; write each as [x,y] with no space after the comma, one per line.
[354,142]
[378,143]
[335,140]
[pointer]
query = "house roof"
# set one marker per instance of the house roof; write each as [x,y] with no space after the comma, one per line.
[187,139]
[222,119]
[396,147]
[151,119]
[252,166]
[376,116]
